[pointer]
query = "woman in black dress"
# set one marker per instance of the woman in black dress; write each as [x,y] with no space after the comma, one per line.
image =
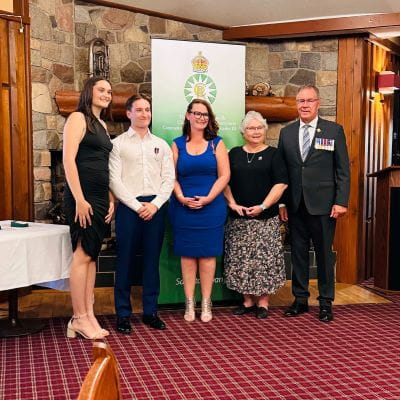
[88,204]
[253,262]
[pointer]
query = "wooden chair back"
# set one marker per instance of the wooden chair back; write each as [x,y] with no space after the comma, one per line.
[102,380]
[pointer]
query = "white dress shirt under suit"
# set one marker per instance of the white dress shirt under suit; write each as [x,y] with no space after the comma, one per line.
[311,131]
[312,126]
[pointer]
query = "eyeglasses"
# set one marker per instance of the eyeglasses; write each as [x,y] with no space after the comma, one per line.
[198,114]
[304,101]
[255,128]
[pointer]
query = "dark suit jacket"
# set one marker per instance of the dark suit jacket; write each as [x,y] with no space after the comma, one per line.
[324,176]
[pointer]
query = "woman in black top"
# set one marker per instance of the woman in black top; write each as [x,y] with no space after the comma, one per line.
[253,262]
[88,203]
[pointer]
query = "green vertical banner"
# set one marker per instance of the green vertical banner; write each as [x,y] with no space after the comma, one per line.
[181,72]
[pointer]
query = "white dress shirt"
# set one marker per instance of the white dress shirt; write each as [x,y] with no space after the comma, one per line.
[311,131]
[141,167]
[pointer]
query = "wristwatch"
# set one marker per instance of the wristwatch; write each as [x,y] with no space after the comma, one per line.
[262,205]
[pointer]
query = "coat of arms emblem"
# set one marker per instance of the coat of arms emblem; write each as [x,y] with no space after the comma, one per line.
[200,85]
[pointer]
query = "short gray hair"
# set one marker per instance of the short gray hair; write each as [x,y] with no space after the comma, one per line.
[313,87]
[249,117]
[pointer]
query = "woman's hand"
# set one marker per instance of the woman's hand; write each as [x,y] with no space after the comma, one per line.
[194,203]
[110,212]
[83,213]
[201,201]
[238,209]
[185,200]
[253,211]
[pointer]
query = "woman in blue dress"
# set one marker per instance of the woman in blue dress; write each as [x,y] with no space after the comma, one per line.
[198,208]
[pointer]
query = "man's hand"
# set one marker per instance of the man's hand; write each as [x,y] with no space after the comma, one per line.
[147,211]
[338,211]
[283,214]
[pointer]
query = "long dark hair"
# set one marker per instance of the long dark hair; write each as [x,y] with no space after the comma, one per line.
[211,130]
[85,104]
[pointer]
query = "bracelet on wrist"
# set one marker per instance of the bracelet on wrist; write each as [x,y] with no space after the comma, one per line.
[262,205]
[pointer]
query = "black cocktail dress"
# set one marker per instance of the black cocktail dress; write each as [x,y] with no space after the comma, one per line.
[92,163]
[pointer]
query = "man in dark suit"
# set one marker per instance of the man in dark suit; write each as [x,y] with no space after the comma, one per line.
[316,156]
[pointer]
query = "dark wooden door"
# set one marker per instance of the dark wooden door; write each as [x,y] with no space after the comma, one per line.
[16,187]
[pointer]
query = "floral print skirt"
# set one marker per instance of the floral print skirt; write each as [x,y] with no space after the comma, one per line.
[253,260]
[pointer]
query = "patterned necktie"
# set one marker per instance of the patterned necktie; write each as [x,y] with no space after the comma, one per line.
[306,142]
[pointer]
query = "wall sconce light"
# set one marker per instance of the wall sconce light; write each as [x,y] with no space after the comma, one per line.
[388,82]
[375,96]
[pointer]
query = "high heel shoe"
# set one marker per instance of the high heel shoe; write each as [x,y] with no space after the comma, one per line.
[206,313]
[104,332]
[190,313]
[72,332]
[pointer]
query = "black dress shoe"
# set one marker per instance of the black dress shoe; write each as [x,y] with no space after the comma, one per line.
[296,309]
[124,325]
[242,309]
[261,312]
[154,322]
[325,313]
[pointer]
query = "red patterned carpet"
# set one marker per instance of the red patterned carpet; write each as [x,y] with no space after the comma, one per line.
[357,356]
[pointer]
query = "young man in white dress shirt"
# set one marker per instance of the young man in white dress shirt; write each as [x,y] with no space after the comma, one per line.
[142,177]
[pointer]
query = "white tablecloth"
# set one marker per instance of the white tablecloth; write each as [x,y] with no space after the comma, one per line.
[37,255]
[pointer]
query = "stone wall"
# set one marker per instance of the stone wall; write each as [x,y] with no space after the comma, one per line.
[61,31]
[287,65]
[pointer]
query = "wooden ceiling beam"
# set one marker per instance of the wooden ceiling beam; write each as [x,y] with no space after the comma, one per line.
[318,27]
[387,44]
[114,4]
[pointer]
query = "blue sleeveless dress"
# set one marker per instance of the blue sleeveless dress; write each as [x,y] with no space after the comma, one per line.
[197,233]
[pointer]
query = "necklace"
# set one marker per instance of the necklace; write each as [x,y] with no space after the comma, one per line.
[249,160]
[253,154]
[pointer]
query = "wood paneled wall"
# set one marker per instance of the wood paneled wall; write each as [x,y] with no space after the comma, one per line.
[351,113]
[378,140]
[16,181]
[367,120]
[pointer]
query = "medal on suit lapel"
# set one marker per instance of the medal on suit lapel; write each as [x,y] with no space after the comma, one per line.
[324,144]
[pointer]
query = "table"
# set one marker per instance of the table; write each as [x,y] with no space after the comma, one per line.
[36,255]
